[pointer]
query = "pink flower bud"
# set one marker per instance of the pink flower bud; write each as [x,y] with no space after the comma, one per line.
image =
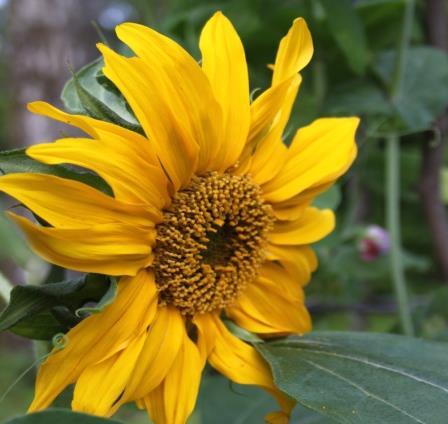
[375,242]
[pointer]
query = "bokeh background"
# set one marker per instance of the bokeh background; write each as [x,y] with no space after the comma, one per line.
[40,40]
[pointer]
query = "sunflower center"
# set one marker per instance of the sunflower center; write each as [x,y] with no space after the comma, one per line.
[210,243]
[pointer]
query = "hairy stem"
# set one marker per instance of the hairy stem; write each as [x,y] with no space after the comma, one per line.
[393,180]
[394,225]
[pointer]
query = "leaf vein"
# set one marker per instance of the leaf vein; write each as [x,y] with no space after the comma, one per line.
[377,365]
[363,390]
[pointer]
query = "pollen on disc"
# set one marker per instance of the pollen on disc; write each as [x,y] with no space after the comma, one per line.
[211,242]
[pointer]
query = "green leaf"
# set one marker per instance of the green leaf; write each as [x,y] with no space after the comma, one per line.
[348,31]
[363,377]
[89,92]
[58,416]
[424,91]
[30,306]
[40,326]
[358,97]
[15,161]
[106,300]
[222,402]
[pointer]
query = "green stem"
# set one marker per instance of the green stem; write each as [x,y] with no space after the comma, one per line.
[393,180]
[400,62]
[393,222]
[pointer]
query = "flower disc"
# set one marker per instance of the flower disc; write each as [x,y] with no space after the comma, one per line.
[210,243]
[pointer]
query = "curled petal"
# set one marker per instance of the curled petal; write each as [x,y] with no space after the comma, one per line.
[319,154]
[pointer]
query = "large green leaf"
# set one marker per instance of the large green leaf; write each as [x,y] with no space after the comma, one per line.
[424,90]
[41,326]
[58,416]
[41,311]
[358,97]
[348,31]
[89,92]
[364,377]
[222,402]
[15,161]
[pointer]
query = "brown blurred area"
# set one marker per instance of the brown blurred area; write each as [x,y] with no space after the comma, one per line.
[42,40]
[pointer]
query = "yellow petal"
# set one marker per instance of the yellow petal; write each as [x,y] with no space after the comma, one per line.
[224,63]
[82,122]
[293,208]
[299,261]
[98,129]
[98,337]
[274,307]
[140,404]
[271,153]
[158,354]
[231,356]
[294,52]
[278,417]
[101,385]
[174,400]
[122,165]
[155,405]
[275,103]
[312,226]
[111,249]
[265,108]
[319,154]
[156,111]
[70,204]
[289,212]
[276,277]
[187,91]
[236,359]
[206,339]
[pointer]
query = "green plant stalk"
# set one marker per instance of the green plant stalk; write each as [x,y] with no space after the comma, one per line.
[394,225]
[402,48]
[393,180]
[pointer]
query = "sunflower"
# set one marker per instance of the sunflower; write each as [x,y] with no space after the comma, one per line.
[210,220]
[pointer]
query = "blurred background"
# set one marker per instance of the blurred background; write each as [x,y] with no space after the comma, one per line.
[351,74]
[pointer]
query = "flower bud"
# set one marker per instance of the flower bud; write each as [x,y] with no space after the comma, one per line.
[374,243]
